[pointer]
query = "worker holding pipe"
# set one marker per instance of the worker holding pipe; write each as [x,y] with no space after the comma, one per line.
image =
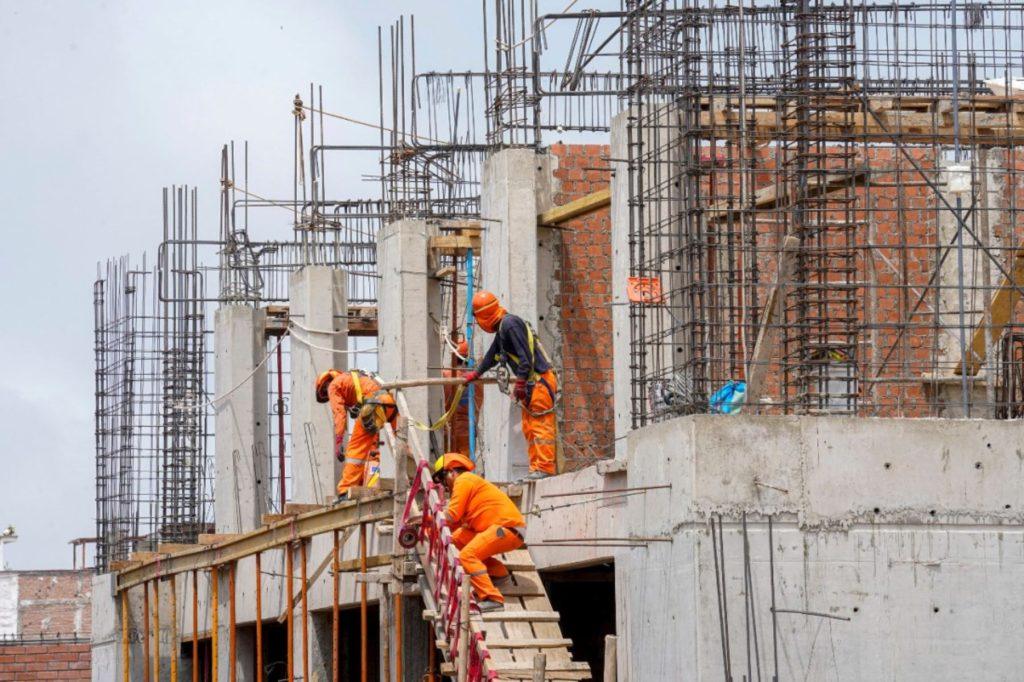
[484,522]
[459,434]
[356,394]
[536,385]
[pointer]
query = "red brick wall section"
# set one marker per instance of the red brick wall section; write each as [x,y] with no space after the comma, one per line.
[49,661]
[54,603]
[587,413]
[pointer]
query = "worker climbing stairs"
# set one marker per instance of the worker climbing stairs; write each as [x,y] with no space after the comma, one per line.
[521,642]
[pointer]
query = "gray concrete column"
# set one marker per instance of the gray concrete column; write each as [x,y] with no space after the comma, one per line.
[241,418]
[245,638]
[518,266]
[319,316]
[622,390]
[407,341]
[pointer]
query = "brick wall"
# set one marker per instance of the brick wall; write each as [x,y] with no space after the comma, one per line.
[587,412]
[54,603]
[57,660]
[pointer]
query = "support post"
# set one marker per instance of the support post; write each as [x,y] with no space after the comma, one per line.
[611,643]
[318,314]
[406,338]
[518,264]
[240,404]
[465,592]
[540,667]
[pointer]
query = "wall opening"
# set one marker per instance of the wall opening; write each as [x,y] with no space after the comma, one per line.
[585,599]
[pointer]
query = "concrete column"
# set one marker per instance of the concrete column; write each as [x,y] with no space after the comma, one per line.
[518,266]
[241,418]
[245,638]
[319,315]
[622,390]
[407,341]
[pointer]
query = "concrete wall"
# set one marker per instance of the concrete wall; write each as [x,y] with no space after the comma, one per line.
[907,532]
[8,604]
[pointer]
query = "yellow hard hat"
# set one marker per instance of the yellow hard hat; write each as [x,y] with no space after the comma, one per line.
[452,460]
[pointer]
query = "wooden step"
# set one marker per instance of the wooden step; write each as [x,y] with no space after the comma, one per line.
[519,616]
[528,643]
[571,670]
[528,589]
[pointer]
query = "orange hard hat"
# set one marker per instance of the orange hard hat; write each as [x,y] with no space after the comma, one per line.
[463,349]
[452,460]
[322,382]
[487,311]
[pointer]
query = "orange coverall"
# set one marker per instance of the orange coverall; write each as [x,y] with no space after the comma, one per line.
[485,522]
[460,420]
[363,444]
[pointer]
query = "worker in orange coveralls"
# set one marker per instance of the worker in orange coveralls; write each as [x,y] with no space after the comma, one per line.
[460,420]
[536,385]
[484,522]
[354,393]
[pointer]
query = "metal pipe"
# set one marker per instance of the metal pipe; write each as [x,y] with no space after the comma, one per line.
[156,630]
[232,641]
[259,620]
[335,613]
[305,611]
[214,620]
[290,597]
[145,632]
[469,358]
[363,622]
[280,428]
[125,651]
[174,629]
[195,626]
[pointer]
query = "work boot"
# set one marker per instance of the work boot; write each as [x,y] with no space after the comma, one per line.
[490,605]
[536,475]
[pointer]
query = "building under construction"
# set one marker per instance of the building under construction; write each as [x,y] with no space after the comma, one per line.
[776,252]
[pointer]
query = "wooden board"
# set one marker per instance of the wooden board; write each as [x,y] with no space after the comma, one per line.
[594,201]
[999,313]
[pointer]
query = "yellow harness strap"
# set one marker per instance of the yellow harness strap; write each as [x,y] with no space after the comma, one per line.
[359,389]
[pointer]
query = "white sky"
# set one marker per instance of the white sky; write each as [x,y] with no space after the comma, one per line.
[105,103]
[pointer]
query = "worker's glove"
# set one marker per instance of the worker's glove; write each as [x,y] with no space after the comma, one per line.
[520,391]
[470,376]
[339,449]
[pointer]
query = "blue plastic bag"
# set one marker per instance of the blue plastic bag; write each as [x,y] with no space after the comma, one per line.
[729,399]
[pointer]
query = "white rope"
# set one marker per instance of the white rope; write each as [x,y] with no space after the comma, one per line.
[310,344]
[221,397]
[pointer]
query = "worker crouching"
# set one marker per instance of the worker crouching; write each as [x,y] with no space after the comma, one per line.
[484,522]
[536,385]
[356,394]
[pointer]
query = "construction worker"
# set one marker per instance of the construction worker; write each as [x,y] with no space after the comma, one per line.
[355,394]
[484,522]
[459,434]
[536,385]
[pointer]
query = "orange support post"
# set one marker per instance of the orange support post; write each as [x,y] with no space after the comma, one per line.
[174,629]
[195,625]
[156,630]
[125,652]
[232,651]
[214,621]
[305,611]
[363,622]
[289,575]
[145,632]
[335,615]
[259,620]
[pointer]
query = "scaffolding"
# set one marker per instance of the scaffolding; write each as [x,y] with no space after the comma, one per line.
[826,198]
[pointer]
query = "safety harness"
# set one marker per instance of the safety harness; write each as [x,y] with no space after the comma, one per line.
[532,343]
[371,411]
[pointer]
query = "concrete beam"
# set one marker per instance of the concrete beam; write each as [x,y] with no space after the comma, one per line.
[240,485]
[319,312]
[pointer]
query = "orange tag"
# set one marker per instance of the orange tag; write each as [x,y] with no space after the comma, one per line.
[644,290]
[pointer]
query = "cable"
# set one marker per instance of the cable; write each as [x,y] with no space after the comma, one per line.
[310,344]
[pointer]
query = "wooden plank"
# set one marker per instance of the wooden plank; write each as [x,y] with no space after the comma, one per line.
[237,547]
[770,331]
[453,244]
[773,196]
[531,616]
[268,519]
[528,643]
[143,556]
[362,320]
[174,547]
[1000,311]
[123,565]
[217,538]
[595,201]
[297,508]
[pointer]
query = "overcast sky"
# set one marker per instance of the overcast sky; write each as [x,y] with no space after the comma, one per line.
[105,103]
